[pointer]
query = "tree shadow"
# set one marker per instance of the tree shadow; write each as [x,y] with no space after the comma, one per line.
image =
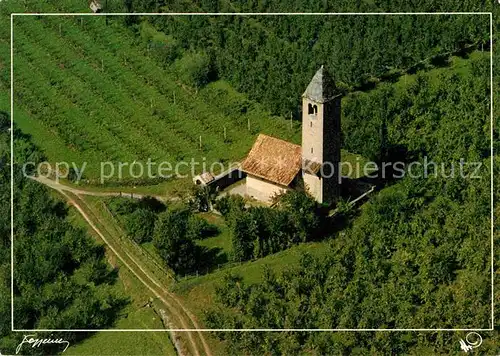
[110,315]
[416,68]
[391,77]
[209,258]
[441,61]
[152,204]
[391,165]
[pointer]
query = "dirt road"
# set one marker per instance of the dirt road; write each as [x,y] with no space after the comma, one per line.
[58,186]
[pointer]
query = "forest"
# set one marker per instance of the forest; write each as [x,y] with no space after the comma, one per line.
[442,115]
[414,256]
[62,279]
[272,58]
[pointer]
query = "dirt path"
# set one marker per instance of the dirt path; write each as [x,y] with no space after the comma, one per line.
[179,313]
[58,186]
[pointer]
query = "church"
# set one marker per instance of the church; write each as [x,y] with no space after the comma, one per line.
[274,165]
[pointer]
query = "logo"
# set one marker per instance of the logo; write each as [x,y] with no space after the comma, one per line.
[472,341]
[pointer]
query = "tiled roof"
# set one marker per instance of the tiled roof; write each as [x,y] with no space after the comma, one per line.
[274,160]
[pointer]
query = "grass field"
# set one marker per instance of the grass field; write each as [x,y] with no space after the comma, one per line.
[198,292]
[87,92]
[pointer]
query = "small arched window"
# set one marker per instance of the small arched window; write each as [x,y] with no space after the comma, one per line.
[312,109]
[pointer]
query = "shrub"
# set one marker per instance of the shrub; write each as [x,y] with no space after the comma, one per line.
[165,48]
[193,69]
[200,228]
[122,206]
[140,225]
[173,239]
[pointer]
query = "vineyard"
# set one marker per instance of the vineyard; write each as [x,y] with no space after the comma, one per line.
[92,91]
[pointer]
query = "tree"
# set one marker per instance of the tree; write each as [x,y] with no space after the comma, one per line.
[140,225]
[203,198]
[230,206]
[61,277]
[200,228]
[243,234]
[174,240]
[304,214]
[193,69]
[122,206]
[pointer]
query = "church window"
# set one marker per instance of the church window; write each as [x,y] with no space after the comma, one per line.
[312,109]
[312,150]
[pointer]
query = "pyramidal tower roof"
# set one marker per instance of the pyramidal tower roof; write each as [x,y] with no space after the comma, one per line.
[321,88]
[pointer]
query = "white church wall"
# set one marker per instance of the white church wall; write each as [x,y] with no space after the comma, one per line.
[262,190]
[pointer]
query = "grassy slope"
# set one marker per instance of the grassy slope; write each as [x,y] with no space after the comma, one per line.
[198,291]
[221,240]
[135,316]
[114,126]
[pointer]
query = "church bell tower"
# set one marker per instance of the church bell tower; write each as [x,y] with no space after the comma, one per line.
[321,136]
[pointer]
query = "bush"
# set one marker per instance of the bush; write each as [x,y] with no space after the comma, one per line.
[151,204]
[137,216]
[122,206]
[201,229]
[259,231]
[4,121]
[140,225]
[193,69]
[229,205]
[174,240]
[165,48]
